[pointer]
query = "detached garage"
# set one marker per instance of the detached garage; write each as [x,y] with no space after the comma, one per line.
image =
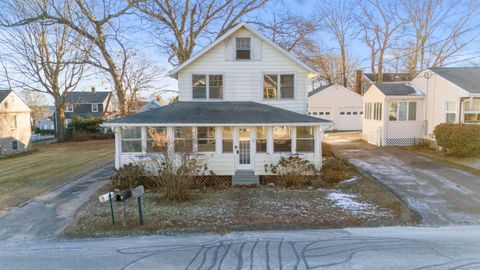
[338,104]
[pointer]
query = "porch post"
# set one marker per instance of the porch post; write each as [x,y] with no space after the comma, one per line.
[144,139]
[218,140]
[118,146]
[195,142]
[293,137]
[170,139]
[269,140]
[318,135]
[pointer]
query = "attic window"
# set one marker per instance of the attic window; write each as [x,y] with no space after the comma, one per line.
[243,48]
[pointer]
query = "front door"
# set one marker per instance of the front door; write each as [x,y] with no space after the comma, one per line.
[243,149]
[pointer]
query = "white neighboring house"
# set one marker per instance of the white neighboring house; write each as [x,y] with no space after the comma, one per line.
[338,104]
[15,124]
[243,101]
[399,114]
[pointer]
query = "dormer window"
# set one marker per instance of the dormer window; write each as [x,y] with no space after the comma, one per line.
[94,107]
[243,48]
[69,108]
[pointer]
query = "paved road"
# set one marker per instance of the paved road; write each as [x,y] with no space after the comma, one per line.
[439,192]
[374,248]
[45,216]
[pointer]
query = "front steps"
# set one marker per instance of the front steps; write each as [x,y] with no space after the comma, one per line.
[245,178]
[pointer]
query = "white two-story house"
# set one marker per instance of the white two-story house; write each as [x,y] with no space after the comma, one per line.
[242,100]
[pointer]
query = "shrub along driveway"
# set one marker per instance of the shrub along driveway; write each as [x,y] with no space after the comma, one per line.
[440,193]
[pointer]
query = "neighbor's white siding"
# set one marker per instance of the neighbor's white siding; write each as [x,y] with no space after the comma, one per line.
[402,133]
[336,99]
[243,80]
[13,106]
[438,91]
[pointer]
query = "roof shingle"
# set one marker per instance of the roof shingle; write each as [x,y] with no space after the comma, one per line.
[396,89]
[468,78]
[4,94]
[217,113]
[86,97]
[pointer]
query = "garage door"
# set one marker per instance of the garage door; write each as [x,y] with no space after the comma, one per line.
[350,118]
[324,113]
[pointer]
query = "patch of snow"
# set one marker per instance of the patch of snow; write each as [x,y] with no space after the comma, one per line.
[348,202]
[353,179]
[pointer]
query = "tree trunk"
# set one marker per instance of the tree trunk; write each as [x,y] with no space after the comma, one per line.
[60,121]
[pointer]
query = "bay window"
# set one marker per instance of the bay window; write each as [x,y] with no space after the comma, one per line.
[282,139]
[206,139]
[131,139]
[471,112]
[156,139]
[183,139]
[305,139]
[261,139]
[207,86]
[278,86]
[227,140]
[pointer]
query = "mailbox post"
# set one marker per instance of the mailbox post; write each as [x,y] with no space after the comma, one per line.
[138,192]
[108,197]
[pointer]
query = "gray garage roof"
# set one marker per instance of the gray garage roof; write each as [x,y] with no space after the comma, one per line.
[86,97]
[396,89]
[391,77]
[4,94]
[467,78]
[217,113]
[319,89]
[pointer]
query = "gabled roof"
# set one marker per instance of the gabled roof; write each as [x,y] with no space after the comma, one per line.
[396,89]
[4,94]
[391,77]
[467,78]
[87,97]
[318,90]
[174,72]
[217,113]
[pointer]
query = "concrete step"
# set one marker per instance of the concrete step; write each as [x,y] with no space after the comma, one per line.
[245,178]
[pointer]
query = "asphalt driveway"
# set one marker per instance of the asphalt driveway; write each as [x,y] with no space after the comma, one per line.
[45,216]
[440,193]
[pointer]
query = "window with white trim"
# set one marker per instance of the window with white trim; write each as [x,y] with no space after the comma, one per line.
[278,86]
[157,139]
[69,108]
[305,139]
[15,145]
[450,112]
[471,111]
[282,139]
[402,111]
[131,139]
[207,86]
[183,141]
[243,48]
[94,107]
[227,140]
[206,139]
[373,111]
[261,139]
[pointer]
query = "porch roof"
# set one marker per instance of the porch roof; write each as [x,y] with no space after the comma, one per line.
[223,113]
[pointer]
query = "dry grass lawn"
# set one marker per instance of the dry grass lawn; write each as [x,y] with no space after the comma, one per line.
[47,166]
[470,163]
[355,202]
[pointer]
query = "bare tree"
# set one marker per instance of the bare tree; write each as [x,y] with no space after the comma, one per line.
[185,21]
[292,32]
[97,22]
[380,20]
[37,103]
[338,19]
[438,28]
[44,56]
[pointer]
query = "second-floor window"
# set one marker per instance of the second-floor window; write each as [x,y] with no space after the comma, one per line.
[94,107]
[207,86]
[278,86]
[69,108]
[243,48]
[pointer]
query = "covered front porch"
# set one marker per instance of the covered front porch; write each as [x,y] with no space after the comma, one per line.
[226,147]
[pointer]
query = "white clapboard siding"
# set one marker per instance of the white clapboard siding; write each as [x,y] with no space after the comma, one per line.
[372,130]
[243,80]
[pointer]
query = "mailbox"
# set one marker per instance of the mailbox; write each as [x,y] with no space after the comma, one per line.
[122,196]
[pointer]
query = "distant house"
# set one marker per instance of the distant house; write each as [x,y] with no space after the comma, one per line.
[86,104]
[365,80]
[45,124]
[150,106]
[338,104]
[15,126]
[404,113]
